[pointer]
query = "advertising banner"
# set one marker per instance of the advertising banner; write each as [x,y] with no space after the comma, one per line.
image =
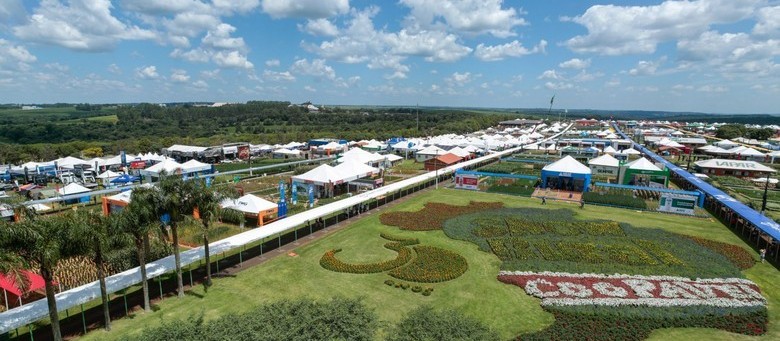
[677,203]
[243,152]
[467,181]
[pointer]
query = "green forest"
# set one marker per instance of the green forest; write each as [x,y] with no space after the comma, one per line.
[63,130]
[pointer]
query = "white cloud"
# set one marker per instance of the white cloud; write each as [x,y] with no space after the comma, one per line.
[513,49]
[460,79]
[617,30]
[575,63]
[768,22]
[195,55]
[465,16]
[558,85]
[200,84]
[219,38]
[180,76]
[147,72]
[309,88]
[83,25]
[14,57]
[278,76]
[57,67]
[646,67]
[241,6]
[115,69]
[316,68]
[320,27]
[210,74]
[272,63]
[11,11]
[232,59]
[681,87]
[312,9]
[713,88]
[158,7]
[191,24]
[612,83]
[550,74]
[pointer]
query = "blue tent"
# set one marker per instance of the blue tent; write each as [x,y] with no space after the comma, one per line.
[124,179]
[566,174]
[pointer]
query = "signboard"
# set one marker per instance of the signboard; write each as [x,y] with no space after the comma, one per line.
[138,165]
[310,190]
[604,170]
[243,152]
[294,195]
[467,181]
[677,203]
[282,201]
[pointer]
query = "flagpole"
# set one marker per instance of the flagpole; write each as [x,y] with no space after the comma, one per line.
[551,104]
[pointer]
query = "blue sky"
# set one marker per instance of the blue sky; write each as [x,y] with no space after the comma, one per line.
[703,55]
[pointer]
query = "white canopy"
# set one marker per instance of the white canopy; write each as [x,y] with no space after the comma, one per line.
[567,165]
[605,160]
[459,152]
[285,151]
[352,170]
[750,152]
[643,164]
[331,146]
[168,166]
[347,171]
[42,207]
[610,150]
[72,188]
[122,196]
[763,180]
[69,162]
[249,204]
[108,175]
[186,149]
[630,151]
[393,157]
[360,156]
[726,144]
[321,175]
[431,150]
[193,166]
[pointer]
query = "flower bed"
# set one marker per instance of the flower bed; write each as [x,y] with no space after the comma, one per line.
[432,265]
[737,255]
[330,262]
[433,215]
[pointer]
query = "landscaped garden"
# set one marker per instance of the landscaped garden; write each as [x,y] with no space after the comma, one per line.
[528,271]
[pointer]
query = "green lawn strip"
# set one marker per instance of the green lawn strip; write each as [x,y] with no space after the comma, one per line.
[477,293]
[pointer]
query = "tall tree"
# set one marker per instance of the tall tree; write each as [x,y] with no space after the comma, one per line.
[44,241]
[138,219]
[177,201]
[98,235]
[208,202]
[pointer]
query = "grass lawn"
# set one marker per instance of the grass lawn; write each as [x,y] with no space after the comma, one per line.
[506,309]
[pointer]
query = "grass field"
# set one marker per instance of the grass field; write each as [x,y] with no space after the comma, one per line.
[477,293]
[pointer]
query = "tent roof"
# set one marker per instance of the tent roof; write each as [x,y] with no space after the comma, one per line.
[69,162]
[186,149]
[643,164]
[249,204]
[286,151]
[610,150]
[360,156]
[393,157]
[351,170]
[192,166]
[604,160]
[734,164]
[109,175]
[630,151]
[431,150]
[168,166]
[320,175]
[569,165]
[459,152]
[9,284]
[331,146]
[72,188]
[449,158]
[122,196]
[751,152]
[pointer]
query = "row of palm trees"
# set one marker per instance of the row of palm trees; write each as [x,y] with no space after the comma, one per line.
[41,242]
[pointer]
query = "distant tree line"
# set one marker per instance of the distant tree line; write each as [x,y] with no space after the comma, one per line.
[150,127]
[731,131]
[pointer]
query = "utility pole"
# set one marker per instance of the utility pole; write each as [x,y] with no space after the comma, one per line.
[418,118]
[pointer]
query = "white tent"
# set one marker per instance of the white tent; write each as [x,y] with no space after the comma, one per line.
[567,165]
[643,164]
[332,146]
[287,152]
[38,207]
[168,166]
[459,152]
[726,144]
[69,162]
[72,188]
[471,149]
[604,160]
[630,151]
[393,157]
[763,181]
[431,150]
[352,170]
[109,175]
[360,156]
[751,152]
[321,175]
[249,204]
[122,196]
[193,166]
[610,150]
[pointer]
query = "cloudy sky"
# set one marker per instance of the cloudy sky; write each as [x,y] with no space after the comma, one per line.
[701,55]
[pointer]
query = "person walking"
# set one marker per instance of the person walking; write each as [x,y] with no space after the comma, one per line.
[544,200]
[762,253]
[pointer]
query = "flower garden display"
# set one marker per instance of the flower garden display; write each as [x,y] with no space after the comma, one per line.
[608,280]
[433,215]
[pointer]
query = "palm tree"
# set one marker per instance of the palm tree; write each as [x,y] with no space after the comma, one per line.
[208,202]
[177,201]
[43,241]
[138,219]
[98,235]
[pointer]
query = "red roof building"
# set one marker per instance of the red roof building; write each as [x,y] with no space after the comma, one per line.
[442,161]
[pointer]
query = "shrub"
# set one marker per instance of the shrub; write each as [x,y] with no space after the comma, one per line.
[424,323]
[416,288]
[431,265]
[330,262]
[619,200]
[433,215]
[338,319]
[389,282]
